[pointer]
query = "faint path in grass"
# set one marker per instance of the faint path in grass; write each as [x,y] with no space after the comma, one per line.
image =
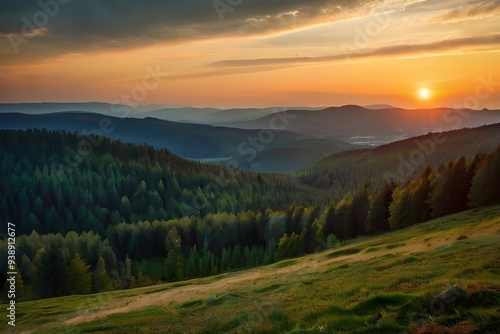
[263,276]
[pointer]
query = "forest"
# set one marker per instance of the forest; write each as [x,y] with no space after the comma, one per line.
[94,214]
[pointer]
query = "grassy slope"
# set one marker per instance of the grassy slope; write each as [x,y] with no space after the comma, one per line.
[371,285]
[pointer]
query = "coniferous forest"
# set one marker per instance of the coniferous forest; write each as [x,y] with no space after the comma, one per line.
[94,214]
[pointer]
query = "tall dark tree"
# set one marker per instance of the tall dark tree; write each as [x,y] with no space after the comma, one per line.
[50,271]
[378,214]
[450,189]
[100,277]
[359,212]
[173,264]
[486,182]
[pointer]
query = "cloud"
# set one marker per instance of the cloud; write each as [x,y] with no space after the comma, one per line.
[86,26]
[394,50]
[471,12]
[226,71]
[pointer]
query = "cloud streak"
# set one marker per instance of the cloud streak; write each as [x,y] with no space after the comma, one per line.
[394,50]
[471,12]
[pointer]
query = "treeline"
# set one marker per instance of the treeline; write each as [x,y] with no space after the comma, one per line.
[115,256]
[54,265]
[454,187]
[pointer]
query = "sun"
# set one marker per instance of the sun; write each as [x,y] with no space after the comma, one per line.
[424,93]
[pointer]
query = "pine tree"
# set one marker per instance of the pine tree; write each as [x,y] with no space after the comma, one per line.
[270,252]
[100,277]
[50,272]
[485,188]
[247,260]
[224,260]
[329,220]
[127,272]
[342,227]
[79,277]
[360,207]
[236,258]
[450,189]
[399,209]
[378,214]
[27,268]
[173,265]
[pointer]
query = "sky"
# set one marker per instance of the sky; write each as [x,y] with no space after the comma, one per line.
[244,53]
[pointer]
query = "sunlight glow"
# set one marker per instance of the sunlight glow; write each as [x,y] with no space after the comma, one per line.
[424,93]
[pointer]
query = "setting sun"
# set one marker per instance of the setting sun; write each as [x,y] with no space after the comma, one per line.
[424,94]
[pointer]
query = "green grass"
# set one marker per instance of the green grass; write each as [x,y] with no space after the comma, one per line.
[381,284]
[284,263]
[192,303]
[342,252]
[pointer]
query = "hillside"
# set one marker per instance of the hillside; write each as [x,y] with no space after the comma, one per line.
[48,187]
[403,272]
[399,161]
[358,125]
[273,151]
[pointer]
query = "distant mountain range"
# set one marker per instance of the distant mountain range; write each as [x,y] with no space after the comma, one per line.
[211,116]
[275,151]
[359,125]
[371,125]
[247,136]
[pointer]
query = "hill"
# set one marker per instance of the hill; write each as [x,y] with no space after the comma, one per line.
[371,125]
[399,161]
[358,125]
[184,114]
[250,149]
[61,182]
[442,276]
[94,107]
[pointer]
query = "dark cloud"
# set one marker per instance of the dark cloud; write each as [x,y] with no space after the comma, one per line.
[88,25]
[471,12]
[394,50]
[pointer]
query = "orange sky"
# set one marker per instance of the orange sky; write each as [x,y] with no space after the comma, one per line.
[367,55]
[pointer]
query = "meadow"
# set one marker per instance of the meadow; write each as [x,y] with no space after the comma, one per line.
[442,276]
